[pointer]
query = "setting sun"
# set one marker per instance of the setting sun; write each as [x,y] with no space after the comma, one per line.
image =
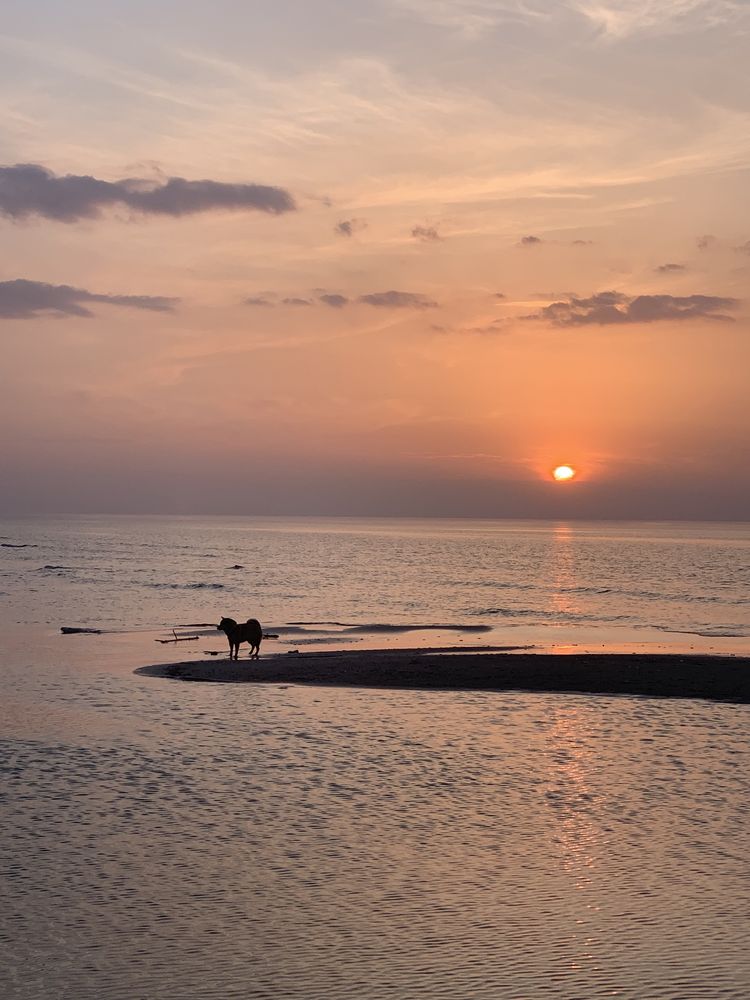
[563,473]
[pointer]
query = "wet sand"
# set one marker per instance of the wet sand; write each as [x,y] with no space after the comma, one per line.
[499,669]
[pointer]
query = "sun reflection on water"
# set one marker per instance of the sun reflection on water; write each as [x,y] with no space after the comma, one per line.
[563,574]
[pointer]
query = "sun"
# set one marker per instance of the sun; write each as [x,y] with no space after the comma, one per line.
[563,473]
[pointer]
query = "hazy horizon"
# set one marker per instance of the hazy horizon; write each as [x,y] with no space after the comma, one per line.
[394,258]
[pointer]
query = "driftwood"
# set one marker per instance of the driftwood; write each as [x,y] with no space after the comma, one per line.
[72,631]
[178,638]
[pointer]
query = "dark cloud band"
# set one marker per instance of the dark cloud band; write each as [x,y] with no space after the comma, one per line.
[30,190]
[608,308]
[23,299]
[383,300]
[398,300]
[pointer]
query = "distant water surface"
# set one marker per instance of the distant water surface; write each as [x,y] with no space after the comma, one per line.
[525,576]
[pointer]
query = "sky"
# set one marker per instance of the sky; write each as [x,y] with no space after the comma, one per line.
[396,257]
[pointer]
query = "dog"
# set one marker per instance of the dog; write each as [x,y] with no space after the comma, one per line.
[249,631]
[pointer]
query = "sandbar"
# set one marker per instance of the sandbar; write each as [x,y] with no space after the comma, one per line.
[663,675]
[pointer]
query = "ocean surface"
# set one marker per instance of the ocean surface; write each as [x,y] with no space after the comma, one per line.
[169,840]
[520,581]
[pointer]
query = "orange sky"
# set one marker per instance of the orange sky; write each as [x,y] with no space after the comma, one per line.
[488,238]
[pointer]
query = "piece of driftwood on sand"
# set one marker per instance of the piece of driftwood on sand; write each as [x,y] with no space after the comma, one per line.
[179,638]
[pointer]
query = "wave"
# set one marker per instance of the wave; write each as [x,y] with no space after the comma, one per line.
[394,628]
[718,633]
[186,586]
[602,591]
[565,616]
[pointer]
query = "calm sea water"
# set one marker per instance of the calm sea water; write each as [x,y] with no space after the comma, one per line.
[622,579]
[170,840]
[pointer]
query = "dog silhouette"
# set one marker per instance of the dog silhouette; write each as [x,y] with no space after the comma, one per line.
[249,631]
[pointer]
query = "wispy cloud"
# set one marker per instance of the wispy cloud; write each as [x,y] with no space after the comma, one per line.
[470,17]
[669,268]
[270,300]
[426,234]
[398,300]
[530,241]
[348,227]
[613,19]
[485,329]
[617,19]
[608,308]
[391,299]
[23,299]
[27,189]
[705,242]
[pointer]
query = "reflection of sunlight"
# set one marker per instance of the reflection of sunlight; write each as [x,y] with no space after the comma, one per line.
[578,833]
[563,571]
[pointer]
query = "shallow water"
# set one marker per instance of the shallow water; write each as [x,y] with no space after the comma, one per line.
[277,841]
[171,840]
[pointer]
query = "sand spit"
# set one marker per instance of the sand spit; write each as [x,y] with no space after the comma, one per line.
[659,675]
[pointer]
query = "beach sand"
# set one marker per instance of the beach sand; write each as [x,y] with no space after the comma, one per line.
[498,669]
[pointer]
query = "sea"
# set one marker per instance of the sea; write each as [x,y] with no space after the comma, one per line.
[162,839]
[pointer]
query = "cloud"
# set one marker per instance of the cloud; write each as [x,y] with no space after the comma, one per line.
[472,18]
[553,296]
[618,19]
[669,268]
[705,242]
[270,301]
[488,328]
[333,300]
[390,299]
[348,227]
[30,190]
[581,243]
[427,234]
[612,19]
[500,295]
[398,300]
[745,248]
[23,299]
[529,241]
[608,308]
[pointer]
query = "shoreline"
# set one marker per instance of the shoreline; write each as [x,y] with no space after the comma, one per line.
[661,675]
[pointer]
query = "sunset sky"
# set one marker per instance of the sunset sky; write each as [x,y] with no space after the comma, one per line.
[394,256]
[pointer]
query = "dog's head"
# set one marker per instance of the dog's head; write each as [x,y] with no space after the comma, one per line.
[226,624]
